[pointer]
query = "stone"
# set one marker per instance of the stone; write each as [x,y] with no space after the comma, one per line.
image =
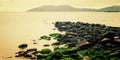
[22,46]
[20,53]
[109,34]
[84,45]
[46,45]
[32,49]
[34,43]
[28,55]
[45,51]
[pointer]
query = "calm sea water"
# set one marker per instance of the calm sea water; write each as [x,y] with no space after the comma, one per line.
[22,27]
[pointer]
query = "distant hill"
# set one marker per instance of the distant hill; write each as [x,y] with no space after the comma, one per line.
[50,8]
[110,9]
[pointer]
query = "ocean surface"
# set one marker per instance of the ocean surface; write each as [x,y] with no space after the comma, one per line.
[24,27]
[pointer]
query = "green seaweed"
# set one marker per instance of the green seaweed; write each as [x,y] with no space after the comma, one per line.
[22,46]
[45,37]
[45,51]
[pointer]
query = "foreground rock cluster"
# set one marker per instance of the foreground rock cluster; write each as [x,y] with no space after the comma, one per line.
[29,53]
[83,41]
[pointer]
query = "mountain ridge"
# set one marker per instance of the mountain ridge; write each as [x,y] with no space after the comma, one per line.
[52,8]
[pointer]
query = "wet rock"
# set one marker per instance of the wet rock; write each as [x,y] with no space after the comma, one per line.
[22,46]
[46,45]
[117,37]
[93,32]
[20,53]
[109,34]
[41,56]
[28,55]
[34,43]
[84,45]
[45,51]
[32,49]
[35,52]
[105,40]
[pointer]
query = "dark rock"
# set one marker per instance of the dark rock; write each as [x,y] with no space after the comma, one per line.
[35,52]
[34,43]
[20,53]
[28,55]
[117,37]
[22,46]
[45,51]
[89,32]
[41,56]
[85,45]
[32,49]
[109,34]
[17,55]
[105,40]
[46,45]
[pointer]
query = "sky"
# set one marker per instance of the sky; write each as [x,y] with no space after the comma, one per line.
[24,5]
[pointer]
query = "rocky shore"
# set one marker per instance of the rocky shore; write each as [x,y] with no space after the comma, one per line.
[83,41]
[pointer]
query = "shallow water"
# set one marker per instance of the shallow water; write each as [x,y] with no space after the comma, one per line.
[22,27]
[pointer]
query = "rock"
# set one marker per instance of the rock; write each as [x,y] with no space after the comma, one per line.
[33,58]
[22,46]
[46,45]
[45,37]
[41,56]
[32,49]
[84,45]
[35,52]
[90,32]
[117,37]
[28,55]
[21,53]
[45,51]
[105,40]
[17,55]
[117,40]
[109,34]
[34,43]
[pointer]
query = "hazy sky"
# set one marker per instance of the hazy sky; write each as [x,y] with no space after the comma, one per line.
[23,5]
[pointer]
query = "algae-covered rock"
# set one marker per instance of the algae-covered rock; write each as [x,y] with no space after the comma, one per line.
[45,37]
[57,43]
[56,48]
[54,35]
[41,56]
[22,46]
[45,51]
